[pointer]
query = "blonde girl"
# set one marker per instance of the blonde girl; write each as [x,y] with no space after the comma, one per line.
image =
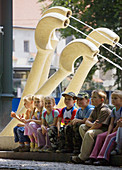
[31,125]
[49,120]
[24,142]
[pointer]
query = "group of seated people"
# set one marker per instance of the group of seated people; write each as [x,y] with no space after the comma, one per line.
[91,132]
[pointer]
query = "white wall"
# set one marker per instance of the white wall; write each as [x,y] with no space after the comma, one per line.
[19,36]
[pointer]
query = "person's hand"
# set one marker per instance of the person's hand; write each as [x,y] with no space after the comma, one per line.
[44,130]
[119,123]
[13,114]
[25,120]
[95,125]
[75,121]
[21,115]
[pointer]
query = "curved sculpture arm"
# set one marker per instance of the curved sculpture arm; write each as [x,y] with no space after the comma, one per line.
[102,39]
[44,28]
[68,56]
[59,9]
[71,52]
[44,31]
[54,40]
[76,82]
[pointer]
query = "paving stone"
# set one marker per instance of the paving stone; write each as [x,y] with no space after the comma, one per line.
[38,165]
[51,161]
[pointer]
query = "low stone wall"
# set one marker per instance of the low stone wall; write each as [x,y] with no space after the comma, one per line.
[7,143]
[51,157]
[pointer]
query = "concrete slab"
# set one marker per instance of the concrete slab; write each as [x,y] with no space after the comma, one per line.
[7,143]
[50,157]
[55,157]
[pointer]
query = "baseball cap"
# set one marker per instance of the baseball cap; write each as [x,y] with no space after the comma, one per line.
[82,95]
[69,94]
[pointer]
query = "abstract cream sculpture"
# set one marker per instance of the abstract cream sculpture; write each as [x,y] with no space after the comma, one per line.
[75,49]
[46,41]
[101,36]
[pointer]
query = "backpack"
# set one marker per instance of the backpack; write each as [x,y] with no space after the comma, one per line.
[65,109]
[114,111]
[46,113]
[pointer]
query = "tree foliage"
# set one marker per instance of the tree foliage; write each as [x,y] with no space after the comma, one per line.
[96,13]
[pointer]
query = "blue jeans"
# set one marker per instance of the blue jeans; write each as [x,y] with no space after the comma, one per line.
[19,135]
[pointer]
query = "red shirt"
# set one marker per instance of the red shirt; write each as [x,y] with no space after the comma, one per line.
[67,115]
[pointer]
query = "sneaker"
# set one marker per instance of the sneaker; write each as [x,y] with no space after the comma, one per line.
[36,148]
[43,149]
[76,151]
[50,149]
[76,160]
[90,161]
[18,148]
[25,149]
[58,151]
[32,146]
[101,162]
[115,152]
[66,151]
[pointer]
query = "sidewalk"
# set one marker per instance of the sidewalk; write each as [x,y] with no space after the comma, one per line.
[38,165]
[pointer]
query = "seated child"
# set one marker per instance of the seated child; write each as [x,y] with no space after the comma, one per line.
[80,118]
[24,141]
[118,148]
[31,125]
[96,123]
[105,141]
[67,114]
[49,120]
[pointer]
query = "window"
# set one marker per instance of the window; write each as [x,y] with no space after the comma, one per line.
[26,46]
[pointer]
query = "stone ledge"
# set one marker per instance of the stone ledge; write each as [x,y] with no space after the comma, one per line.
[116,160]
[51,157]
[55,157]
[7,143]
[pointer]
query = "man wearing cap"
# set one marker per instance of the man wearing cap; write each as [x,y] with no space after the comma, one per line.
[80,118]
[67,114]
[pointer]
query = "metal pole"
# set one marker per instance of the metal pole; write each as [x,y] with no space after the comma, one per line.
[5,62]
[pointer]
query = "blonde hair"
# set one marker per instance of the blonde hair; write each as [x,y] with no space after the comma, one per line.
[28,98]
[117,93]
[100,93]
[39,97]
[49,98]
